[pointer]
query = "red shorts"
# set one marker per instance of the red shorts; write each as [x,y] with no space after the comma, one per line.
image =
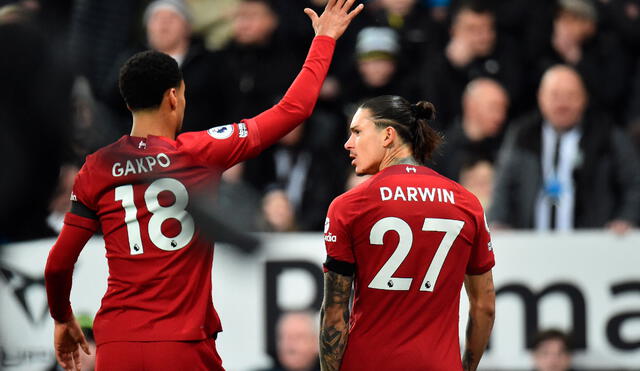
[158,356]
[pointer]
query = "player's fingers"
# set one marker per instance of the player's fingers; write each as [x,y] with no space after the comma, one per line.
[356,11]
[347,5]
[312,15]
[63,359]
[338,4]
[330,4]
[83,344]
[85,347]
[76,359]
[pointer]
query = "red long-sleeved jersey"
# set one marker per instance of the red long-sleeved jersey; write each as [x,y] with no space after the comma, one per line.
[137,190]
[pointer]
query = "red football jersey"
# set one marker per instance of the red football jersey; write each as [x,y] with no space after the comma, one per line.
[412,235]
[159,285]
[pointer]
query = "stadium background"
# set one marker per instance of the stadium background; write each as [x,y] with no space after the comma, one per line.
[59,65]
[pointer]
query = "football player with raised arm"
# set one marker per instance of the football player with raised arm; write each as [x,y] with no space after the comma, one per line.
[157,313]
[403,242]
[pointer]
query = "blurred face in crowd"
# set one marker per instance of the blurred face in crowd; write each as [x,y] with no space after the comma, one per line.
[278,211]
[551,355]
[572,27]
[478,179]
[562,97]
[297,343]
[366,144]
[399,7]
[167,30]
[254,23]
[376,72]
[485,105]
[476,30]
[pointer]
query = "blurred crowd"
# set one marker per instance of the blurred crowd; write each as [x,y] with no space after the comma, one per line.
[538,101]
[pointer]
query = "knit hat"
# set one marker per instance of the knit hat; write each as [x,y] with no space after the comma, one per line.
[377,42]
[177,6]
[583,8]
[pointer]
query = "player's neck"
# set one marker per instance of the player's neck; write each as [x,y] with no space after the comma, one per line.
[147,123]
[399,156]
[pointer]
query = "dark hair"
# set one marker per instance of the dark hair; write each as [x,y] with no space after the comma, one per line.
[474,6]
[145,77]
[553,334]
[409,120]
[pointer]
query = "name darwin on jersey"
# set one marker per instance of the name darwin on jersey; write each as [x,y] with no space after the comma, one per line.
[416,194]
[140,165]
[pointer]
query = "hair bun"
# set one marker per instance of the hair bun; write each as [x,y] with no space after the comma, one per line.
[424,110]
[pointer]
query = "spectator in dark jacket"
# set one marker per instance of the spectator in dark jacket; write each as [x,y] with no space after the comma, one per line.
[473,51]
[477,133]
[596,54]
[419,35]
[257,63]
[566,167]
[168,30]
[377,53]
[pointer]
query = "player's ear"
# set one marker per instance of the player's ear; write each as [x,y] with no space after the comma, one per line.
[389,136]
[172,96]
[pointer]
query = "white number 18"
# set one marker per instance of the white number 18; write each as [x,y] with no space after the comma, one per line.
[159,214]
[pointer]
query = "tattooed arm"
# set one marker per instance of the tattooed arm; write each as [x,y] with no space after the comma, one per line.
[334,326]
[482,300]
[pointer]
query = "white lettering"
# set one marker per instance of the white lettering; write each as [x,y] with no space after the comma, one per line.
[141,167]
[330,238]
[137,165]
[448,196]
[151,162]
[428,193]
[385,193]
[130,168]
[412,192]
[117,169]
[415,194]
[399,194]
[166,159]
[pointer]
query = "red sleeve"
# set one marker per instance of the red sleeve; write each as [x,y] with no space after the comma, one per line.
[482,258]
[222,146]
[337,238]
[58,272]
[297,104]
[82,186]
[226,145]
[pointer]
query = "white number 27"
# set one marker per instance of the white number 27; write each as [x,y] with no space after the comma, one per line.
[384,279]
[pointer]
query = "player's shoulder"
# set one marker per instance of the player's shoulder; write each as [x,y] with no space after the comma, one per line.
[465,195]
[353,195]
[105,151]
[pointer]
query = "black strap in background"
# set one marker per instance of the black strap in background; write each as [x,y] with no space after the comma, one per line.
[80,209]
[554,204]
[340,267]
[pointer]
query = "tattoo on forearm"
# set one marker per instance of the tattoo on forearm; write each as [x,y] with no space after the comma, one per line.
[335,320]
[467,360]
[468,357]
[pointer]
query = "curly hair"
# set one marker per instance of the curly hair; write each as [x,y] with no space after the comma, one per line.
[145,77]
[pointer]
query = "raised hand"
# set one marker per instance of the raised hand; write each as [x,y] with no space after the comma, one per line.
[335,18]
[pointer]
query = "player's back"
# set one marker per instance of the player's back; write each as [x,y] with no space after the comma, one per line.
[159,285]
[414,235]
